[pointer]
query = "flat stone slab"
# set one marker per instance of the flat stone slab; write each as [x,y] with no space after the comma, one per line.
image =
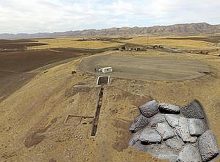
[149,109]
[139,123]
[193,110]
[165,130]
[158,118]
[158,150]
[197,127]
[183,130]
[175,143]
[150,135]
[173,120]
[208,146]
[189,154]
[169,108]
[162,151]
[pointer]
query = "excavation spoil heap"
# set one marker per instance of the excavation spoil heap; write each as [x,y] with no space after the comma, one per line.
[170,132]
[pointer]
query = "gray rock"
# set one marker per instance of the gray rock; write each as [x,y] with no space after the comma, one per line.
[183,130]
[149,109]
[189,154]
[173,120]
[150,135]
[208,146]
[168,108]
[162,151]
[135,137]
[175,143]
[158,150]
[139,123]
[158,118]
[197,127]
[165,130]
[193,110]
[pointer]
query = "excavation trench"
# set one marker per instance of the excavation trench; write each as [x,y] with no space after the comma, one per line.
[98,109]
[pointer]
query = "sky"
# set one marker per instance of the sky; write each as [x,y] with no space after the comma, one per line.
[33,16]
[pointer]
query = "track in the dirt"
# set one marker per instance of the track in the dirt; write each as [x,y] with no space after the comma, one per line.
[98,109]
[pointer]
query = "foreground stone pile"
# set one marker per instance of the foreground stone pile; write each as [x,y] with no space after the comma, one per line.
[170,132]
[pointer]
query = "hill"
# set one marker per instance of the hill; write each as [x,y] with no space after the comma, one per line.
[177,30]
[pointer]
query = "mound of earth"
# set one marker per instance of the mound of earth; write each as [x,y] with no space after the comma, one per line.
[146,67]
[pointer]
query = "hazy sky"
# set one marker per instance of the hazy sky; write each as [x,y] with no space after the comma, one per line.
[32,16]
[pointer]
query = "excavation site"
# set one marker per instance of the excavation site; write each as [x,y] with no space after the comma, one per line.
[104,99]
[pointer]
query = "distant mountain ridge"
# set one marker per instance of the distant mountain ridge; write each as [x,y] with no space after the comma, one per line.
[177,30]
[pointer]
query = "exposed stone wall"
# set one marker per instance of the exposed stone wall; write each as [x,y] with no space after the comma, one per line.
[170,132]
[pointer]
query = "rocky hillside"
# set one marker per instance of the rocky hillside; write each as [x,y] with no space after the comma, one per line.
[178,29]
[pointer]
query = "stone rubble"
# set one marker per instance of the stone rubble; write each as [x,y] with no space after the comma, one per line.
[177,134]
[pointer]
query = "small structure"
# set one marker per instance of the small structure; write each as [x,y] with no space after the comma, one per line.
[102,80]
[104,70]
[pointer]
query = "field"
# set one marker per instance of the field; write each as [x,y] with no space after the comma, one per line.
[18,67]
[73,43]
[49,96]
[175,42]
[18,63]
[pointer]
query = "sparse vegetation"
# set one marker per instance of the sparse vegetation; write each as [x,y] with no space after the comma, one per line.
[175,42]
[34,104]
[73,43]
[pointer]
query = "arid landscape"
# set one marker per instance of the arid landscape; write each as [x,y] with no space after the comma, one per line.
[49,93]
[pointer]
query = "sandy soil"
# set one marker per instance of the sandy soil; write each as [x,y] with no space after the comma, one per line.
[34,124]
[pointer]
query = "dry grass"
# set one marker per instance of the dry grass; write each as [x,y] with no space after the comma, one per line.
[184,44]
[37,104]
[174,43]
[73,43]
[42,100]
